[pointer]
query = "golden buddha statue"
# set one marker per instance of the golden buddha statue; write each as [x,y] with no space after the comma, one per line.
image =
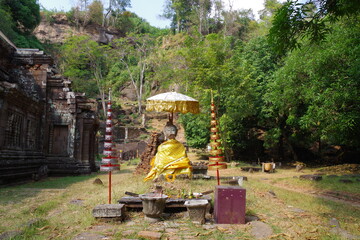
[170,159]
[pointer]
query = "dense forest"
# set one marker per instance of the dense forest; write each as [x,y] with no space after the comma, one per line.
[287,85]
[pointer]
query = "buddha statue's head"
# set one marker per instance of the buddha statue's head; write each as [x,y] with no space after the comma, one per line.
[170,131]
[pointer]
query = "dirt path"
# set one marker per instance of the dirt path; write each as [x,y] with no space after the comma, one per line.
[336,196]
[340,197]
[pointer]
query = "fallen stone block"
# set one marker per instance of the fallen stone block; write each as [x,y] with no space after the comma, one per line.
[109,211]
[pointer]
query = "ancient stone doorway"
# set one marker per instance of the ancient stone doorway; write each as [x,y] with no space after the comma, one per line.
[60,140]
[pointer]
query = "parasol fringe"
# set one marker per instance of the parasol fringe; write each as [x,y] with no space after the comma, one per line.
[173,106]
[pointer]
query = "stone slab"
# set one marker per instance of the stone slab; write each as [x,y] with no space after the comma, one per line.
[251,169]
[149,235]
[109,211]
[345,181]
[260,230]
[90,236]
[135,202]
[311,177]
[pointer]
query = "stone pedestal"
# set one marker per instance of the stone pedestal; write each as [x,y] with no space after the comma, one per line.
[109,211]
[197,210]
[153,205]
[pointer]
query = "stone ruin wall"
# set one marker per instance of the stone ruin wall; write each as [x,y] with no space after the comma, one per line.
[44,126]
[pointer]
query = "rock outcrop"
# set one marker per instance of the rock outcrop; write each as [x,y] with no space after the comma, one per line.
[58,28]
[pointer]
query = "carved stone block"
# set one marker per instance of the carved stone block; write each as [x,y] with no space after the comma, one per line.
[109,211]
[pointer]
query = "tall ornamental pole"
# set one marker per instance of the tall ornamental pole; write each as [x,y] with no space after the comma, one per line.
[109,161]
[216,160]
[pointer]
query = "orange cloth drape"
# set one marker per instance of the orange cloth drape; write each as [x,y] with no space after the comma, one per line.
[170,160]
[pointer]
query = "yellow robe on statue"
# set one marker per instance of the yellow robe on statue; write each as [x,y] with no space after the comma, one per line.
[170,160]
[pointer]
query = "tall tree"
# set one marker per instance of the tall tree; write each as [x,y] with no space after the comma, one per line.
[313,97]
[179,12]
[115,8]
[87,63]
[132,52]
[96,10]
[202,12]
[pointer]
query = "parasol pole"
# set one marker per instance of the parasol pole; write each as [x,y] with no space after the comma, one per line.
[171,118]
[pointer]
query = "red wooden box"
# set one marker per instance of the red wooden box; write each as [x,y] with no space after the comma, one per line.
[229,205]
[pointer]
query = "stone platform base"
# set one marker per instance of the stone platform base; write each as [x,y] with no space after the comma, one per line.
[109,212]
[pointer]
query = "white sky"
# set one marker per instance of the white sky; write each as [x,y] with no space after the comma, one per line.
[151,9]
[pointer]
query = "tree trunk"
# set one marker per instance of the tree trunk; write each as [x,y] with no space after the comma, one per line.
[142,77]
[98,77]
[138,90]
[143,120]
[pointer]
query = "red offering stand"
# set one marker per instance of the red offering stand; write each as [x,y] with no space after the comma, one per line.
[229,205]
[109,162]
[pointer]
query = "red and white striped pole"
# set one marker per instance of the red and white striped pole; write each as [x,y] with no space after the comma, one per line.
[109,161]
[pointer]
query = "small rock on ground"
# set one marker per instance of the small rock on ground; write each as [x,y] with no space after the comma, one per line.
[208,226]
[334,222]
[98,181]
[297,210]
[9,235]
[345,181]
[77,202]
[345,234]
[271,193]
[260,230]
[335,228]
[251,218]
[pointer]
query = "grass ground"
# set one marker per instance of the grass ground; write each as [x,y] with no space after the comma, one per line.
[60,208]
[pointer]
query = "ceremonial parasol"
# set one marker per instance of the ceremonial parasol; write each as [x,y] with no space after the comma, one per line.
[172,102]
